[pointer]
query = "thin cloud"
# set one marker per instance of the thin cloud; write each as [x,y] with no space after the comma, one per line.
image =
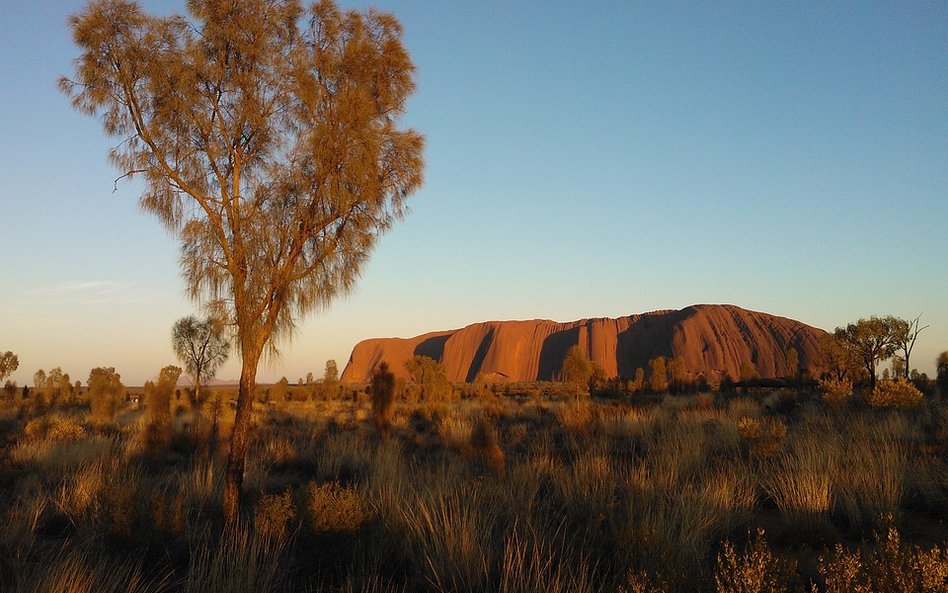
[92,292]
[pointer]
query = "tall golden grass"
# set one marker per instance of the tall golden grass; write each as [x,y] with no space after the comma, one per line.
[507,494]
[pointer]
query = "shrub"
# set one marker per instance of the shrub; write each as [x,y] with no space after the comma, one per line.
[895,394]
[105,392]
[756,570]
[835,391]
[763,437]
[890,566]
[484,446]
[577,368]
[158,400]
[431,376]
[280,390]
[55,428]
[383,398]
[334,508]
[658,379]
[274,512]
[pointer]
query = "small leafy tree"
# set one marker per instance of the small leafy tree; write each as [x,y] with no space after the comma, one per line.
[792,364]
[838,359]
[159,404]
[202,347]
[268,141]
[431,377]
[577,368]
[41,401]
[55,382]
[941,365]
[871,341]
[638,383]
[9,362]
[105,393]
[678,374]
[658,379]
[331,379]
[383,398]
[280,390]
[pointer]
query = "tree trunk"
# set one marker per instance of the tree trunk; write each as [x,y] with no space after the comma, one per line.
[871,368]
[240,437]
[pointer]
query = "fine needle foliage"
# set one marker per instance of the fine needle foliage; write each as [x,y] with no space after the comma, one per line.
[267,138]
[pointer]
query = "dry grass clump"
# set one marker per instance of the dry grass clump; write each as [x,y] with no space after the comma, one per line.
[83,572]
[743,407]
[239,561]
[450,537]
[869,481]
[528,565]
[800,485]
[456,430]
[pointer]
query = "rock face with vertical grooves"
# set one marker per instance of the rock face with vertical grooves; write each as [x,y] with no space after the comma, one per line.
[712,340]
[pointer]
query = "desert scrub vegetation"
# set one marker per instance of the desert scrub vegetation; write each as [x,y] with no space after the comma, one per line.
[515,489]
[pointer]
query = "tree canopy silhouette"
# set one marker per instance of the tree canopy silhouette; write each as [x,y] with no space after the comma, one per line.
[201,346]
[871,341]
[9,362]
[267,138]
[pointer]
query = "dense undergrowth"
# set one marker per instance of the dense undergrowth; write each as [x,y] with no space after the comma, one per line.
[681,493]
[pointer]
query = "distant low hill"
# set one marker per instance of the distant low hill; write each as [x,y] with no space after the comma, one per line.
[712,339]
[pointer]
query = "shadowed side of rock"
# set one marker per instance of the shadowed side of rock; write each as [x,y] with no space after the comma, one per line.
[712,340]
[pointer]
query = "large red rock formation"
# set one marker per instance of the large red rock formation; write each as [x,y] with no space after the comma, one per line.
[712,339]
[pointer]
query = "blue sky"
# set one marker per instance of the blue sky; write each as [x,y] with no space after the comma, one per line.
[582,160]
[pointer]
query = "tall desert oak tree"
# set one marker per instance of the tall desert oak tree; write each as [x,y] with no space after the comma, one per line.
[267,136]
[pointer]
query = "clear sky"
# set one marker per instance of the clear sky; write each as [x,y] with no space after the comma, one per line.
[583,159]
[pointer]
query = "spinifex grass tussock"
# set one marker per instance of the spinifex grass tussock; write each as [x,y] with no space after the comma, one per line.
[238,560]
[81,571]
[450,537]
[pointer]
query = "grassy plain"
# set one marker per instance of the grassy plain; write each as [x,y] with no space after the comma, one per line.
[767,492]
